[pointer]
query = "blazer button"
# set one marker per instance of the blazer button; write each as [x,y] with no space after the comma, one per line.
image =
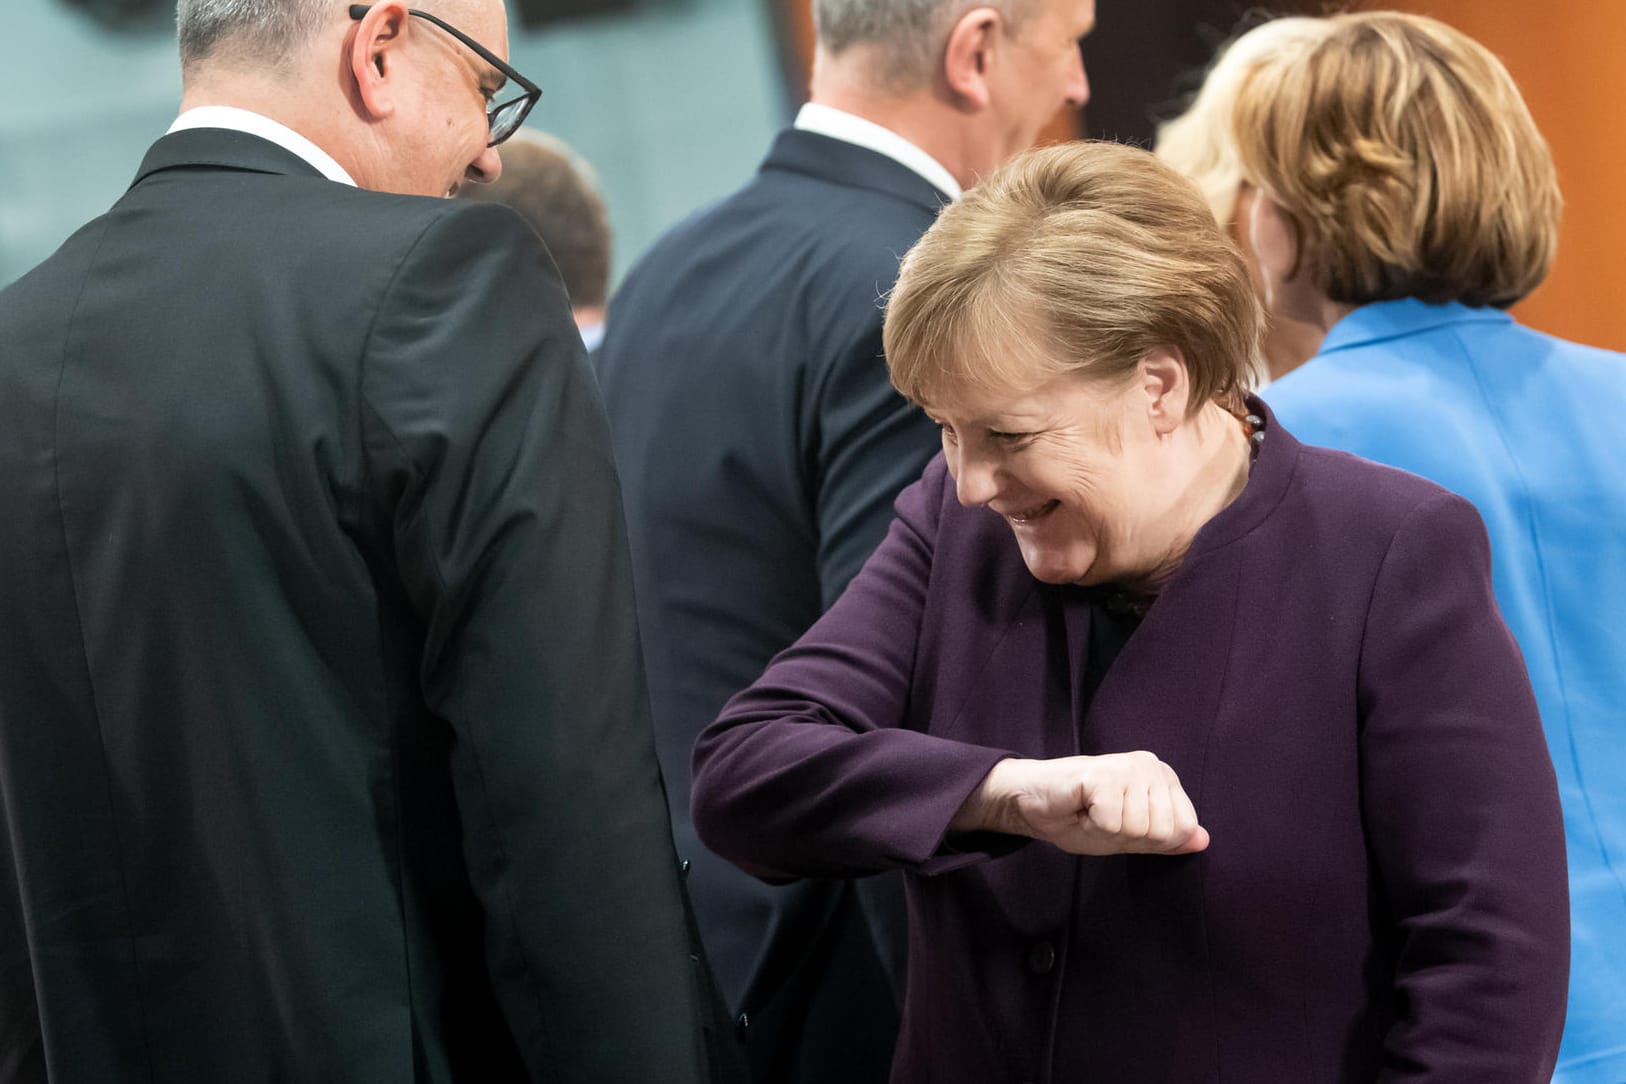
[1041,958]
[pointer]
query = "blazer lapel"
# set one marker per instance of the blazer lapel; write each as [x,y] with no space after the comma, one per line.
[1078,615]
[1163,692]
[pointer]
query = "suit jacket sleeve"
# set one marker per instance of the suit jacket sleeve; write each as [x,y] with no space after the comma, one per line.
[872,442]
[1462,813]
[811,771]
[489,456]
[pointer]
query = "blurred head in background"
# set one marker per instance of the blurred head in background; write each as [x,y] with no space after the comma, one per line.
[556,192]
[1199,144]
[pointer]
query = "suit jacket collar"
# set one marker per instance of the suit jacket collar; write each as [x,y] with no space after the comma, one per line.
[1195,589]
[839,162]
[221,148]
[1395,319]
[1268,482]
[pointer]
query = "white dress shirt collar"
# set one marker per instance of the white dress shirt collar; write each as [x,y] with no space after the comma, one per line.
[242,120]
[838,124]
[592,335]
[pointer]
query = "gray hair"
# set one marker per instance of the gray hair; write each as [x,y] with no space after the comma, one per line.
[266,29]
[910,33]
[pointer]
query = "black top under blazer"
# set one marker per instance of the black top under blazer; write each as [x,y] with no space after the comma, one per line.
[324,752]
[761,446]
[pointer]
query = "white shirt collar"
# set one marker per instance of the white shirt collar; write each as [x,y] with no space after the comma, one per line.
[242,120]
[839,124]
[592,335]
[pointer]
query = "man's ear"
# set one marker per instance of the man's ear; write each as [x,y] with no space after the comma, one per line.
[972,46]
[373,56]
[1167,384]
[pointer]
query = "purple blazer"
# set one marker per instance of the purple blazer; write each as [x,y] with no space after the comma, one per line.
[1385,894]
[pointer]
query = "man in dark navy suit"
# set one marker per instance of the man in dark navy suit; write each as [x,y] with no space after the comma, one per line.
[324,747]
[761,446]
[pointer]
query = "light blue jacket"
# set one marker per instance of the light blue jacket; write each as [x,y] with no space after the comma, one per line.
[1529,428]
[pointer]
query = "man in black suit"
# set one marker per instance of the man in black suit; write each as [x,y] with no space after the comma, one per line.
[324,752]
[761,445]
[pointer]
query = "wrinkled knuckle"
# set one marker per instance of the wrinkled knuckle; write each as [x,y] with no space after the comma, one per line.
[1148,764]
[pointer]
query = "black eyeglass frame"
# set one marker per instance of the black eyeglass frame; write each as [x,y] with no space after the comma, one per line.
[525,101]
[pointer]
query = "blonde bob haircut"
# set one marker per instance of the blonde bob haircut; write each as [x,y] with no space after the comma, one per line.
[1081,258]
[1198,141]
[1405,160]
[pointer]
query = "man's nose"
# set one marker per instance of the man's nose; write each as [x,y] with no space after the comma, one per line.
[486,168]
[1078,83]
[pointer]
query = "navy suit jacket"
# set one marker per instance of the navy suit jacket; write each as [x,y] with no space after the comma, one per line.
[324,752]
[761,447]
[1384,895]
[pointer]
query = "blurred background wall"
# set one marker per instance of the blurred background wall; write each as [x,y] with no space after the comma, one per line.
[675,101]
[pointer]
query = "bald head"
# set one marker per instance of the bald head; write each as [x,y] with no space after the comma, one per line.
[269,33]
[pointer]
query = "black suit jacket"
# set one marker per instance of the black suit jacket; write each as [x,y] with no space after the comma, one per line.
[761,447]
[324,752]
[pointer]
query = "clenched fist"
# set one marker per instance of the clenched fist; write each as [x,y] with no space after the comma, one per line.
[1121,803]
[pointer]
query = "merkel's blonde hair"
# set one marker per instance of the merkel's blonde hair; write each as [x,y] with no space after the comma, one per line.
[1406,161]
[1198,142]
[1082,258]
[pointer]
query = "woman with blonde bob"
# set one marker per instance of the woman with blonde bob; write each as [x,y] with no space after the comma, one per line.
[1206,753]
[1406,199]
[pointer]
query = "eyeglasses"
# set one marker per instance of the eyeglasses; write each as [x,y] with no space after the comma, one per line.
[504,119]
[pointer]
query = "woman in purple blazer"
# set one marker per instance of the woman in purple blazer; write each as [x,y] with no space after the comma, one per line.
[1125,600]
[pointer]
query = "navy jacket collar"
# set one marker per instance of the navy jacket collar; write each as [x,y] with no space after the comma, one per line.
[845,163]
[221,148]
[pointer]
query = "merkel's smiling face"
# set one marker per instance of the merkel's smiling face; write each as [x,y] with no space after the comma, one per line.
[1072,465]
